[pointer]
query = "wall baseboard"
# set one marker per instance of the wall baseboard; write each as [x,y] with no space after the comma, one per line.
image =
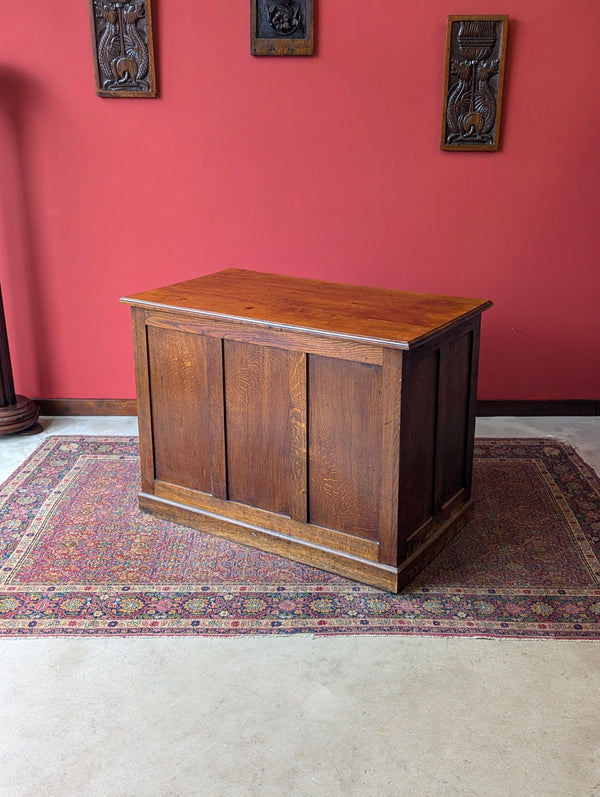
[484,408]
[87,406]
[552,407]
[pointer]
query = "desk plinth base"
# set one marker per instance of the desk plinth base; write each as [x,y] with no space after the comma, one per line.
[391,579]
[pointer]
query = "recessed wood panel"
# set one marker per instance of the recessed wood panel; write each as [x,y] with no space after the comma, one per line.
[454,389]
[180,407]
[344,445]
[257,399]
[418,436]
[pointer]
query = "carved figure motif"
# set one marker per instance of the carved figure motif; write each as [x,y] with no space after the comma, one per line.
[285,17]
[123,57]
[471,109]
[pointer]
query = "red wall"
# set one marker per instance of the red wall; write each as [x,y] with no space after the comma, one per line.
[327,167]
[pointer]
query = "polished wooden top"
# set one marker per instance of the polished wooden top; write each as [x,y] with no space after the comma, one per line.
[394,318]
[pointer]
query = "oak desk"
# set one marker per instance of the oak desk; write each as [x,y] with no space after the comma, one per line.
[331,424]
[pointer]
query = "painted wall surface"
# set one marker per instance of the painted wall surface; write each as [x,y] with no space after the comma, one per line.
[327,166]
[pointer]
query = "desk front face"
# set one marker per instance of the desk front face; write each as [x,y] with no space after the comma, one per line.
[337,453]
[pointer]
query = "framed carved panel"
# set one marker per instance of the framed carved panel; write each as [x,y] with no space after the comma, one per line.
[123,48]
[474,76]
[282,27]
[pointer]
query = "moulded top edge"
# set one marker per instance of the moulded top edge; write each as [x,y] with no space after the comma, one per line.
[376,315]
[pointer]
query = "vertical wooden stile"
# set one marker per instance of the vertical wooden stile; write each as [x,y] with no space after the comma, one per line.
[472,408]
[390,454]
[144,409]
[216,401]
[298,437]
[443,365]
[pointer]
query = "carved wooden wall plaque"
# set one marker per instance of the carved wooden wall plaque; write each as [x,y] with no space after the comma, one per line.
[475,58]
[282,27]
[123,48]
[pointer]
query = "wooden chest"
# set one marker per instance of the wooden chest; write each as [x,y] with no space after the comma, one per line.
[327,423]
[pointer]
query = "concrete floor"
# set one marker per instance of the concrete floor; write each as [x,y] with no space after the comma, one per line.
[298,715]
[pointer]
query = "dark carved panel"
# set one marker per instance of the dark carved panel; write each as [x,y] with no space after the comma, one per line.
[281,27]
[475,58]
[123,48]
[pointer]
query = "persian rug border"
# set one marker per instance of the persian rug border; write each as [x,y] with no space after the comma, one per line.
[318,607]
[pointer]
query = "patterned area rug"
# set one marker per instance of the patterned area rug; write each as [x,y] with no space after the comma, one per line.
[78,557]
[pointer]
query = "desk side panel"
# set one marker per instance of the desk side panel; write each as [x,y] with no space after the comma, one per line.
[439,388]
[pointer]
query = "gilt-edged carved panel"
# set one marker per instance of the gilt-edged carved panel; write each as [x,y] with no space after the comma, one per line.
[281,27]
[474,77]
[123,48]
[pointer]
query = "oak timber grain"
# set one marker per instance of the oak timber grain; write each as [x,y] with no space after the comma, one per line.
[452,413]
[298,414]
[391,416]
[417,444]
[279,525]
[256,422]
[178,363]
[143,391]
[328,423]
[271,336]
[343,311]
[344,449]
[316,555]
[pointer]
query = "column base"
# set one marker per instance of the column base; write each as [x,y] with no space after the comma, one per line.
[21,416]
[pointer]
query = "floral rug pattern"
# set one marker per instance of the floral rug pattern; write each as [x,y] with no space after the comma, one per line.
[77,556]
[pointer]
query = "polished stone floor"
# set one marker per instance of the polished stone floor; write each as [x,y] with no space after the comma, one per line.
[387,717]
